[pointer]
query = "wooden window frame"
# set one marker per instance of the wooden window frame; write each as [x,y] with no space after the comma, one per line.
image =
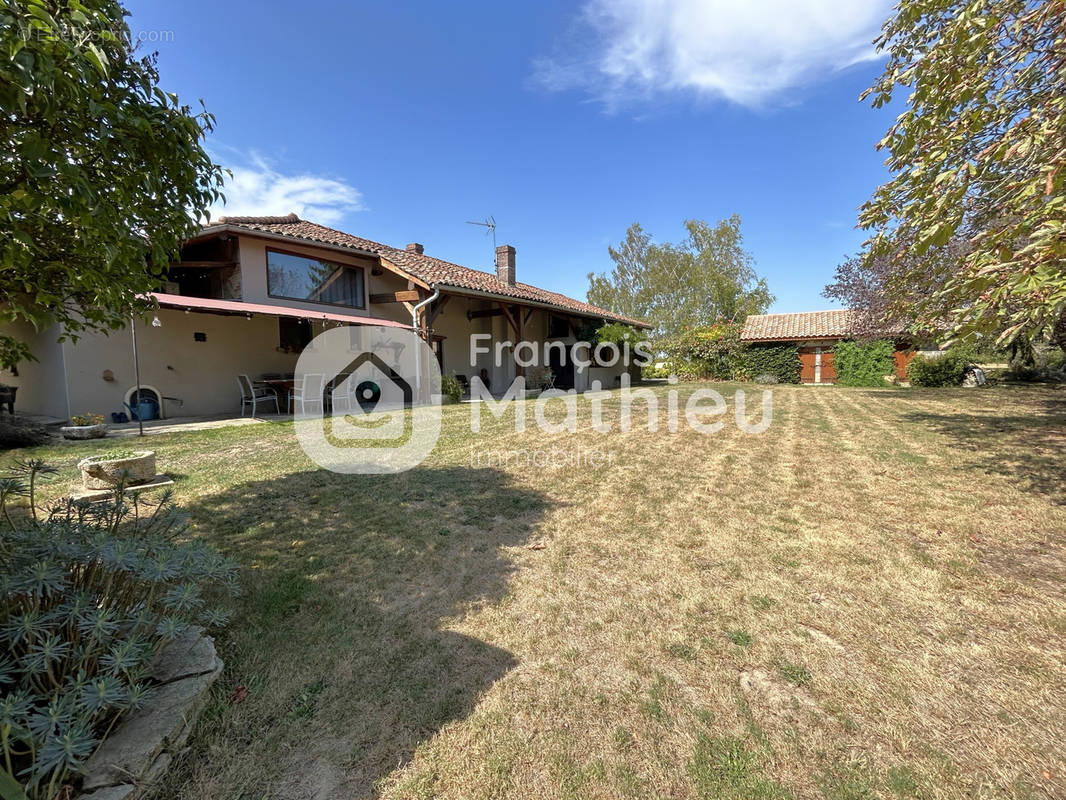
[341,264]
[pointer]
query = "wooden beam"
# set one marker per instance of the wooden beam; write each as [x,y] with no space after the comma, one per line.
[203,264]
[395,297]
[488,312]
[514,319]
[528,315]
[437,308]
[412,281]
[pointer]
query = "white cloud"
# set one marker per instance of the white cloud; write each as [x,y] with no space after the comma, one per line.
[746,51]
[258,188]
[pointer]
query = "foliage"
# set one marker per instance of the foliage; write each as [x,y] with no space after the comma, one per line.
[89,595]
[619,333]
[944,370]
[711,353]
[20,432]
[451,388]
[706,279]
[103,174]
[977,156]
[86,419]
[864,363]
[716,353]
[770,363]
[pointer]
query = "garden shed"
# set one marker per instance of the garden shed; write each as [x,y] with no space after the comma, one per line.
[816,334]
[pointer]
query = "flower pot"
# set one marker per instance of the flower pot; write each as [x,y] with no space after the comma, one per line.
[98,431]
[101,472]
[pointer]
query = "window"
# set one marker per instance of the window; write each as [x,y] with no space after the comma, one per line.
[302,278]
[293,334]
[558,327]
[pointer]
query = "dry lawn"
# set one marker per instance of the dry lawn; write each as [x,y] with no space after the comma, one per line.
[867,600]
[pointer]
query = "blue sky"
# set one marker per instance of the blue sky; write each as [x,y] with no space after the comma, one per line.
[565,121]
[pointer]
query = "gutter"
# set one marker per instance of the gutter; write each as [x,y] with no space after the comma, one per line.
[414,324]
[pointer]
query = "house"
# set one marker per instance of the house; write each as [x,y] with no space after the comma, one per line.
[815,333]
[249,293]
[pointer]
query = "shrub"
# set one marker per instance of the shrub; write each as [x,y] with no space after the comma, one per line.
[86,419]
[618,333]
[945,370]
[712,353]
[89,595]
[864,363]
[451,388]
[20,432]
[760,361]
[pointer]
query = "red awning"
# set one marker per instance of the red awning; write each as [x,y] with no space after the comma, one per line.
[209,305]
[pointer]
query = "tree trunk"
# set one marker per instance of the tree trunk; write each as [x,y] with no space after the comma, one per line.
[1058,333]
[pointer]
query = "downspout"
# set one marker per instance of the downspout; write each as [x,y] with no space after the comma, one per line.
[414,324]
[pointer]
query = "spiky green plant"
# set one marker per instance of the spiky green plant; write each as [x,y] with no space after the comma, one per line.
[89,595]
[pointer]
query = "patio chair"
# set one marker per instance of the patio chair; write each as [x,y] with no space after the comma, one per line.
[252,395]
[341,394]
[307,394]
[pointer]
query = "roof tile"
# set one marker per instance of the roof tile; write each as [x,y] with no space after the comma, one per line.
[803,325]
[425,268]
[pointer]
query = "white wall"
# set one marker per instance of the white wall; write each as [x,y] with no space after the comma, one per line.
[42,383]
[202,374]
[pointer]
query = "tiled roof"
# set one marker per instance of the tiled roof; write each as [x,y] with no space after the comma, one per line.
[803,325]
[425,268]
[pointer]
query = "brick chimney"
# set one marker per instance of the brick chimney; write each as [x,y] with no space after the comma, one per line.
[505,264]
[415,247]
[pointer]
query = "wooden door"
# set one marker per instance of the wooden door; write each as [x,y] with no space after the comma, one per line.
[902,359]
[829,370]
[807,362]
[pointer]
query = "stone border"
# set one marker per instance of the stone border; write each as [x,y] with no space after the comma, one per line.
[141,747]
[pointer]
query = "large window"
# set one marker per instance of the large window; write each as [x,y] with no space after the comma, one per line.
[302,278]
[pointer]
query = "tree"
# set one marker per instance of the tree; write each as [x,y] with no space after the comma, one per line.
[977,155]
[705,279]
[893,290]
[102,174]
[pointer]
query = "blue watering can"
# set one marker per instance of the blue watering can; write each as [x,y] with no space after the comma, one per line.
[145,410]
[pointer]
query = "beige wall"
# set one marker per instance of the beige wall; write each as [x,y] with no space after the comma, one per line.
[42,383]
[202,374]
[254,280]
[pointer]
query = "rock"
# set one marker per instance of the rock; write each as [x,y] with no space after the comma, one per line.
[192,653]
[975,376]
[133,749]
[120,792]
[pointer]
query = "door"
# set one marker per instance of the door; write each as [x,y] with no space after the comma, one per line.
[808,361]
[829,370]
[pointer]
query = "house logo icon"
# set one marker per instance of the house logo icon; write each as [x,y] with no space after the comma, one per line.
[367,400]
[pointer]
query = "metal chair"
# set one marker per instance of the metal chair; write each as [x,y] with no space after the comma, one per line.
[252,395]
[308,393]
[341,393]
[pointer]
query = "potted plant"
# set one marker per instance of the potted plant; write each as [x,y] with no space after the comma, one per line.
[85,426]
[125,467]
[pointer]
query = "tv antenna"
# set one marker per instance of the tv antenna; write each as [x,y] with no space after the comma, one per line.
[489,224]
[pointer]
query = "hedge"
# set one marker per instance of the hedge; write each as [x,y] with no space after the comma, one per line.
[864,363]
[780,361]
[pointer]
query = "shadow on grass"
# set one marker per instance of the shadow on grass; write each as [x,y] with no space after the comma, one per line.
[1026,448]
[341,635]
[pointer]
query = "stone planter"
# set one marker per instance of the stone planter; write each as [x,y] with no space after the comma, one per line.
[84,431]
[100,472]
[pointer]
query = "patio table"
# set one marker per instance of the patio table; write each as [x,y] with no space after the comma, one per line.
[283,387]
